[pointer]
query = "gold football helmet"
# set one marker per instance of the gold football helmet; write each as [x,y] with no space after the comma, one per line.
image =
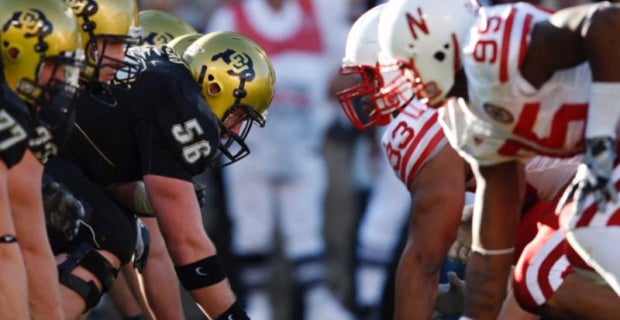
[105,24]
[40,50]
[180,44]
[238,81]
[159,27]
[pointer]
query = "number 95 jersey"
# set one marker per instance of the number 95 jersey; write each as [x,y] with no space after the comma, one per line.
[162,125]
[412,139]
[507,118]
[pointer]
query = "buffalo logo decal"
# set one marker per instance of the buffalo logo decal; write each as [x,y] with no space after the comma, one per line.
[29,24]
[155,38]
[241,64]
[83,8]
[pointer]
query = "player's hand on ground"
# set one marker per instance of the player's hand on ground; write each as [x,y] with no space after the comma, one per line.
[450,299]
[593,176]
[461,248]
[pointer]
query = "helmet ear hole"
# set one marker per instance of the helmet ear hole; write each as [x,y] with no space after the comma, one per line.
[440,56]
[13,53]
[214,89]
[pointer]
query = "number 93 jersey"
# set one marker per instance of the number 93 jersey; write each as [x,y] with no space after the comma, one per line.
[412,139]
[506,117]
[161,125]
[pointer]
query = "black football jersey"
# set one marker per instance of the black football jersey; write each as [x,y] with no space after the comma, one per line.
[161,125]
[15,125]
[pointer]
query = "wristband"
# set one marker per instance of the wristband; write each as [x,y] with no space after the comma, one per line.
[235,312]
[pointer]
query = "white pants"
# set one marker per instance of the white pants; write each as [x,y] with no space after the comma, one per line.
[262,198]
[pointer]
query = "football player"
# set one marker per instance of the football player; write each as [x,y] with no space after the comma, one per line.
[545,176]
[165,129]
[162,297]
[421,157]
[40,58]
[88,263]
[534,81]
[549,278]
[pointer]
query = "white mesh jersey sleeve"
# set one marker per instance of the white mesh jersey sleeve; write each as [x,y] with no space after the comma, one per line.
[412,139]
[548,176]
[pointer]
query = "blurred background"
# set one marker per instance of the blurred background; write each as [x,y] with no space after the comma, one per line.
[360,241]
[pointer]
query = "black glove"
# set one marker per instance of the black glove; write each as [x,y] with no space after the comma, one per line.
[141,250]
[63,211]
[593,175]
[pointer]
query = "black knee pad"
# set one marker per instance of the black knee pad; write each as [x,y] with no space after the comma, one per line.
[85,255]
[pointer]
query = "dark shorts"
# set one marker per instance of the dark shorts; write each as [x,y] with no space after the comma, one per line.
[114,227]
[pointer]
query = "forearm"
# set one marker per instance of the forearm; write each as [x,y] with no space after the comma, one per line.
[499,197]
[160,280]
[486,285]
[12,272]
[192,251]
[415,289]
[43,287]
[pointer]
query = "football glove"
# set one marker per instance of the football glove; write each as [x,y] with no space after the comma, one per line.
[63,211]
[593,175]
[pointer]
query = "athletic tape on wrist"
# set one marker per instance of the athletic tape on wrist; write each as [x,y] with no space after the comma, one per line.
[201,273]
[497,252]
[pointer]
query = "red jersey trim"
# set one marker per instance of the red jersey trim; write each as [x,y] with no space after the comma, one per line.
[306,39]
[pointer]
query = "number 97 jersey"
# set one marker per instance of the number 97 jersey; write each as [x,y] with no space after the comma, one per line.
[412,139]
[506,117]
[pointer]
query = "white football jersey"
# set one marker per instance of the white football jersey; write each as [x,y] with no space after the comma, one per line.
[412,139]
[507,118]
[548,176]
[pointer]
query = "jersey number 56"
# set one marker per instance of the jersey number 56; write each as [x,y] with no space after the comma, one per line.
[185,134]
